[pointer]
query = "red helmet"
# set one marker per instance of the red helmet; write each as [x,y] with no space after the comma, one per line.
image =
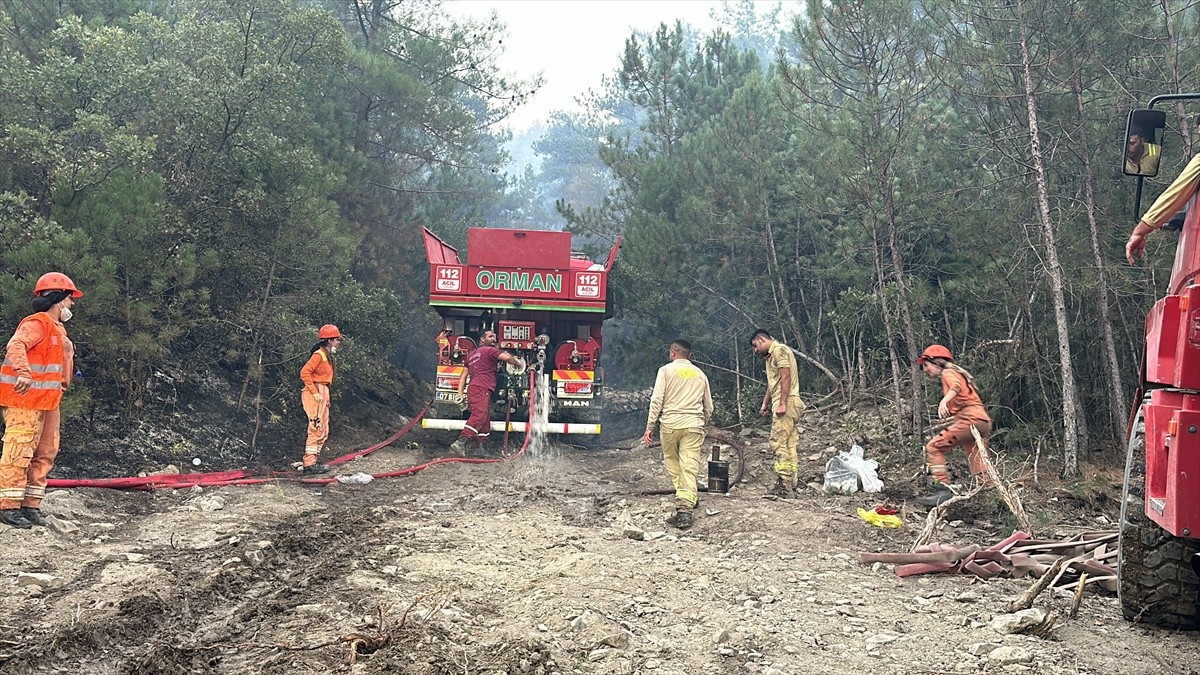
[328,332]
[56,281]
[934,352]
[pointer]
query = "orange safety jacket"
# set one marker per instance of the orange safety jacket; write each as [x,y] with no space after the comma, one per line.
[47,367]
[317,370]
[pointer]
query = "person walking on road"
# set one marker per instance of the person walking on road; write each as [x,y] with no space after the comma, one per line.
[317,375]
[782,400]
[37,368]
[481,369]
[681,406]
[960,399]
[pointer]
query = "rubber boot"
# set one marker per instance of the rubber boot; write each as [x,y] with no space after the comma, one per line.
[34,516]
[941,492]
[14,518]
[683,519]
[313,469]
[459,446]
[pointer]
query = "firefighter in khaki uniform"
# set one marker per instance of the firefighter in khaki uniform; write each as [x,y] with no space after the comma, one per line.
[782,398]
[682,405]
[37,368]
[317,375]
[960,399]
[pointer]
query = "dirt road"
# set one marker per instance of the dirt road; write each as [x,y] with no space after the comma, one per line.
[522,567]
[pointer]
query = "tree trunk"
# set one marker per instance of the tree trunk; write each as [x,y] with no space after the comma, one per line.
[910,333]
[888,328]
[1185,129]
[1071,418]
[1117,410]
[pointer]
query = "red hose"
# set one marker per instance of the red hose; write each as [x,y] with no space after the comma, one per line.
[243,477]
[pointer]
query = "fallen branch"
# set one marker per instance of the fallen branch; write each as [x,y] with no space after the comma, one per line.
[1027,598]
[1010,498]
[1078,596]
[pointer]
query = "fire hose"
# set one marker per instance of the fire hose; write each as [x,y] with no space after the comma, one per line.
[246,477]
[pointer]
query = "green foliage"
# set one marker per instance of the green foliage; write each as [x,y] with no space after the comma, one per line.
[222,177]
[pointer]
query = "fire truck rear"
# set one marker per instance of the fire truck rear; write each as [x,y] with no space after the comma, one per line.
[546,304]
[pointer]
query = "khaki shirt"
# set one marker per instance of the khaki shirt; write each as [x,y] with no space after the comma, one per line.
[1175,196]
[681,399]
[781,356]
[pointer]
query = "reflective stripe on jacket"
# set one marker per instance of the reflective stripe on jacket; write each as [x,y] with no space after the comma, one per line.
[47,366]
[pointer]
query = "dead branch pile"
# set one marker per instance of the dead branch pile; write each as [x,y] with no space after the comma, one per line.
[1086,558]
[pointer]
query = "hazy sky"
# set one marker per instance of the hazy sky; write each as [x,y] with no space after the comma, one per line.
[573,42]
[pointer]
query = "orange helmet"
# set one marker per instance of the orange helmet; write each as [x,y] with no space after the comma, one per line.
[329,332]
[934,352]
[56,281]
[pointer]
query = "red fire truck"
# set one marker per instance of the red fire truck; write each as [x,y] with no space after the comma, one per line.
[547,305]
[1159,564]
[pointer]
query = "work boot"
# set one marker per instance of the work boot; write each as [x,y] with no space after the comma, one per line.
[781,491]
[683,519]
[34,516]
[459,447]
[941,492]
[15,518]
[313,469]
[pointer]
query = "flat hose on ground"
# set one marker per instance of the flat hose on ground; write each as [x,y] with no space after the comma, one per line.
[245,477]
[725,437]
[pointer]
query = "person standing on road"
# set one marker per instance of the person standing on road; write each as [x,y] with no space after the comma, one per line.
[317,375]
[681,405]
[37,368]
[782,400]
[481,368]
[960,399]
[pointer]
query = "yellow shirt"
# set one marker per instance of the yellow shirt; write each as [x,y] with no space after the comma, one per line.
[780,356]
[1147,165]
[681,398]
[1175,196]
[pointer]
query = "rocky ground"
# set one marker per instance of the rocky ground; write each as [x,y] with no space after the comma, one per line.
[550,563]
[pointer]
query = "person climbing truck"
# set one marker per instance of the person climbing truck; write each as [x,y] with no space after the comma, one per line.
[960,399]
[37,368]
[317,375]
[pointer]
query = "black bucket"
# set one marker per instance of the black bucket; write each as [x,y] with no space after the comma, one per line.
[718,473]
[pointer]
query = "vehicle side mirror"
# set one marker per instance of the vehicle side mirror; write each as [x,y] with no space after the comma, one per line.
[1142,149]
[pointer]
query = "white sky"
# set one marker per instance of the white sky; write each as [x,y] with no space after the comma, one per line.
[573,43]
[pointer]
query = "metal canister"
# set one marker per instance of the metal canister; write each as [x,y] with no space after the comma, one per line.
[718,472]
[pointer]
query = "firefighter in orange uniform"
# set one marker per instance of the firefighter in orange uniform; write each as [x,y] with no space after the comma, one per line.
[37,368]
[960,399]
[317,375]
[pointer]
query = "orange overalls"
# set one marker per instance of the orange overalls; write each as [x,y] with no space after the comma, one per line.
[317,375]
[967,409]
[40,351]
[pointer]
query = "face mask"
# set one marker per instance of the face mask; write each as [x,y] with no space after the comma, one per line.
[65,314]
[333,350]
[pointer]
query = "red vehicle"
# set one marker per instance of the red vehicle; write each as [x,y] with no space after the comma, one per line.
[1159,564]
[546,304]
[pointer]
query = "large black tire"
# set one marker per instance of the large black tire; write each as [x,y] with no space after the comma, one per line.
[1157,584]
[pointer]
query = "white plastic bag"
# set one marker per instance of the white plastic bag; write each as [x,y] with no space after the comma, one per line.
[355,479]
[849,472]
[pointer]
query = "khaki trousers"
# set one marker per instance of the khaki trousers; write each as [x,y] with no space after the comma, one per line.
[30,446]
[784,439]
[681,454]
